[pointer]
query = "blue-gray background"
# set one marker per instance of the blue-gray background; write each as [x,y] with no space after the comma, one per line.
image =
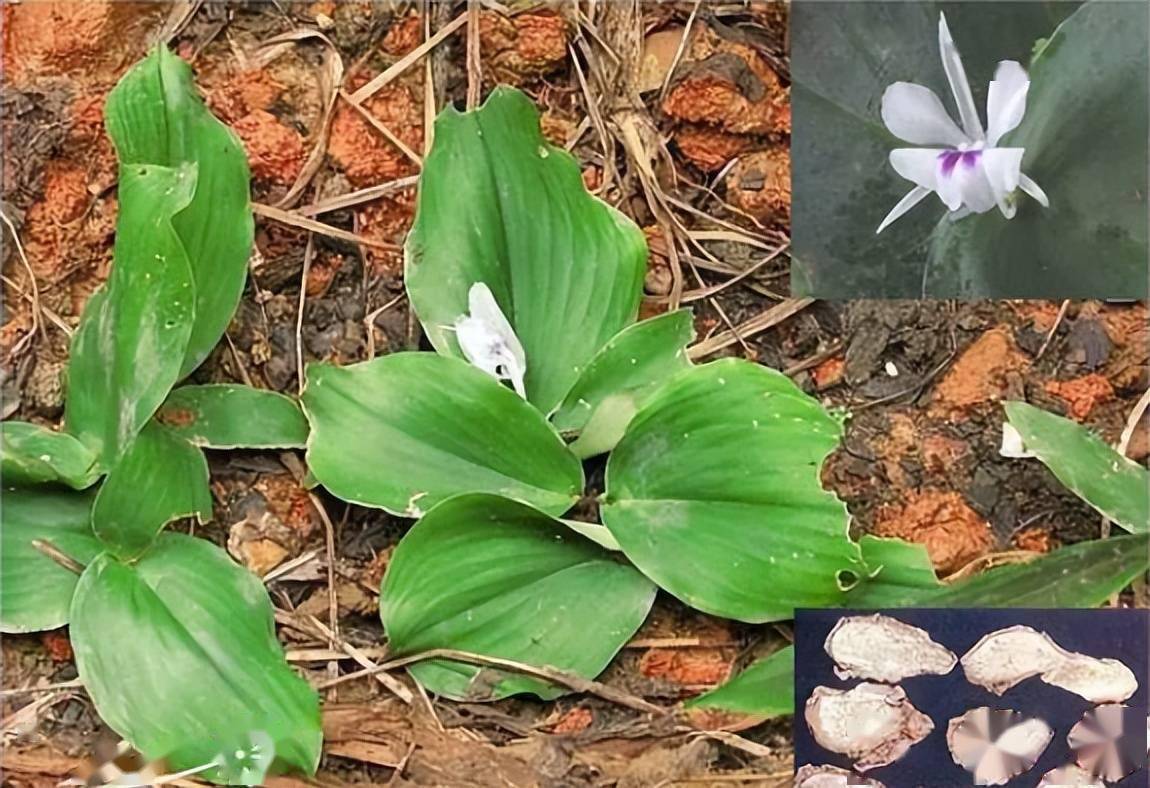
[1119,634]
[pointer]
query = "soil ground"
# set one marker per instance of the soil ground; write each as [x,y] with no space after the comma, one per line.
[679,114]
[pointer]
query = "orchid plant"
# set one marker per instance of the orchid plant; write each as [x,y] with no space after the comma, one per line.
[712,489]
[174,641]
[971,174]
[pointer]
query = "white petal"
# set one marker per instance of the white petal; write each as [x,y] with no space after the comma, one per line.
[1003,167]
[962,183]
[1005,100]
[912,198]
[959,85]
[1033,189]
[482,305]
[920,165]
[1012,445]
[915,113]
[488,341]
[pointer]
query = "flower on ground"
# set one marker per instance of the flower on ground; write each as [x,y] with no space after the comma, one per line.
[488,340]
[969,172]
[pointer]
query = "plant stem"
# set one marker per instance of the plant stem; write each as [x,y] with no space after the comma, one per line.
[57,555]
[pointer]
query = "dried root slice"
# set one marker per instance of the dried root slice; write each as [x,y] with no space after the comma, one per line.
[1007,657]
[872,724]
[811,776]
[1097,680]
[1070,777]
[1103,742]
[997,745]
[881,648]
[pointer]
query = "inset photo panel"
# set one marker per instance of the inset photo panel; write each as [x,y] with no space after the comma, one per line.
[970,149]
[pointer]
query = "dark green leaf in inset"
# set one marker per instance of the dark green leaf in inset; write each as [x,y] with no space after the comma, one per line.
[156,116]
[178,653]
[31,454]
[617,382]
[500,205]
[126,354]
[487,575]
[714,494]
[1081,93]
[221,416]
[407,430]
[1117,487]
[161,478]
[35,591]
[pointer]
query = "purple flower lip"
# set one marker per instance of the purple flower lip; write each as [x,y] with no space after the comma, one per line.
[951,158]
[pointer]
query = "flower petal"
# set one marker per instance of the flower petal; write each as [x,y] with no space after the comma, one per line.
[912,198]
[1005,100]
[1003,167]
[915,113]
[488,341]
[482,305]
[959,85]
[920,165]
[1034,190]
[962,182]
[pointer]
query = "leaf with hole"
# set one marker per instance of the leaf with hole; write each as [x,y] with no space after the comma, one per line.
[1084,575]
[31,454]
[222,416]
[1117,487]
[155,116]
[126,354]
[714,494]
[36,590]
[178,652]
[407,430]
[624,374]
[487,575]
[498,204]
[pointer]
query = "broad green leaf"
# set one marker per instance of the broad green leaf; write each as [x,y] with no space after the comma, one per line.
[31,454]
[1084,575]
[155,116]
[488,575]
[1085,134]
[222,416]
[714,494]
[178,652]
[498,204]
[161,478]
[35,591]
[126,354]
[621,377]
[407,430]
[766,688]
[845,55]
[1116,486]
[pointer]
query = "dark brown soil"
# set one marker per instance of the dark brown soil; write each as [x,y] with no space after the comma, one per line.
[922,380]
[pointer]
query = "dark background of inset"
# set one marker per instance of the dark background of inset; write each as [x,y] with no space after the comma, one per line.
[1118,634]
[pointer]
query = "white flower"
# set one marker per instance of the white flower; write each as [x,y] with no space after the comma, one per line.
[969,174]
[488,340]
[1013,445]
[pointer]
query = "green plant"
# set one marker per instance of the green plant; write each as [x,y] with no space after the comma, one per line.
[712,488]
[1083,575]
[844,58]
[174,642]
